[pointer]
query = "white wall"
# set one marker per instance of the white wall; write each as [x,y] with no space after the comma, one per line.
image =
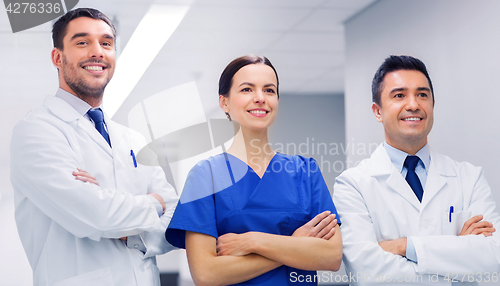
[459,41]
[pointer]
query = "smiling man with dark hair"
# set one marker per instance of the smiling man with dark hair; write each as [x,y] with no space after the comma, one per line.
[411,215]
[86,212]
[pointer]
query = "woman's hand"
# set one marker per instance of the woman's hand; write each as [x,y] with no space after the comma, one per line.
[235,244]
[321,226]
[85,177]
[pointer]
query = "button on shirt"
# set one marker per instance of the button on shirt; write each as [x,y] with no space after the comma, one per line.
[398,158]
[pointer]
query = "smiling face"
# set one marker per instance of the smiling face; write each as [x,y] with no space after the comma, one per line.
[253,99]
[406,110]
[87,62]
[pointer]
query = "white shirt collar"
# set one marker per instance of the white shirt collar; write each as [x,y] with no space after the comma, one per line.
[398,157]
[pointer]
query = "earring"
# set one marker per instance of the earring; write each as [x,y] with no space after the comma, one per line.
[228,116]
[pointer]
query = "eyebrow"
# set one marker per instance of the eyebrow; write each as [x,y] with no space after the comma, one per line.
[404,89]
[78,35]
[252,85]
[424,88]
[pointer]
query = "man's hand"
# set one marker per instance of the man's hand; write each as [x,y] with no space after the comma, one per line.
[160,199]
[475,226]
[85,177]
[321,226]
[397,246]
[235,244]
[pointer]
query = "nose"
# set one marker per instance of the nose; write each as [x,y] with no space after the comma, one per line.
[412,103]
[96,51]
[259,97]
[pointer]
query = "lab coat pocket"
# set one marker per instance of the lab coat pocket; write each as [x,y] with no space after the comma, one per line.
[452,224]
[101,277]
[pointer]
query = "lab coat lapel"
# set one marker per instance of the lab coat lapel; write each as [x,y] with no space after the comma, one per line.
[120,142]
[67,113]
[89,128]
[383,168]
[122,159]
[438,175]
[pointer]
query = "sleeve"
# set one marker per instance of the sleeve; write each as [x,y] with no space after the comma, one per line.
[154,240]
[321,198]
[362,256]
[478,254]
[194,212]
[42,162]
[411,254]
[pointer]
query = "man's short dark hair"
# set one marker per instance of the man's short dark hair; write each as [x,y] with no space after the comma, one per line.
[60,26]
[396,63]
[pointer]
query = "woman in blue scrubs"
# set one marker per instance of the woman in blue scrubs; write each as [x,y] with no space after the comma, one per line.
[251,215]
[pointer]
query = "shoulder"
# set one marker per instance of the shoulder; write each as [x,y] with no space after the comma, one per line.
[295,164]
[362,170]
[297,159]
[209,165]
[38,121]
[448,166]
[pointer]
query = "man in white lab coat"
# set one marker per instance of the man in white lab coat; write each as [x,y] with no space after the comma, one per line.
[411,216]
[86,212]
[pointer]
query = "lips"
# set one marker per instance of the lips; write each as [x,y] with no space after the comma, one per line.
[94,67]
[259,112]
[412,119]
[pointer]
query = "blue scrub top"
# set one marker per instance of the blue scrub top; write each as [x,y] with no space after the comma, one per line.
[224,195]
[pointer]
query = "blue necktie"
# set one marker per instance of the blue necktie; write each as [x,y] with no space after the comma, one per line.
[98,119]
[412,178]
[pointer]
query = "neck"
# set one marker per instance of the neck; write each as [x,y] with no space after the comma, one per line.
[249,145]
[92,100]
[409,147]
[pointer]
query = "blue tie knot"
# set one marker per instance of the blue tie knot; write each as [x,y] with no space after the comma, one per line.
[96,115]
[98,119]
[411,162]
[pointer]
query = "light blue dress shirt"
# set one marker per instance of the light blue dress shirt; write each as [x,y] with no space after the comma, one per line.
[78,104]
[398,158]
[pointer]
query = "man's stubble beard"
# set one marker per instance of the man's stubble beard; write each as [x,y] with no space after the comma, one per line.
[78,85]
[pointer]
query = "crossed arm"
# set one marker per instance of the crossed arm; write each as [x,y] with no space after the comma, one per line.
[235,258]
[474,226]
[84,176]
[156,247]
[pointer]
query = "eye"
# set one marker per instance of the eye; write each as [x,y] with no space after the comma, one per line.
[106,44]
[246,89]
[399,95]
[80,43]
[270,90]
[422,94]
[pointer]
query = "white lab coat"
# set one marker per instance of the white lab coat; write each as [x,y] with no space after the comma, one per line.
[375,203]
[70,230]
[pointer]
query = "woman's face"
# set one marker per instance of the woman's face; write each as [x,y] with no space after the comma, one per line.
[253,98]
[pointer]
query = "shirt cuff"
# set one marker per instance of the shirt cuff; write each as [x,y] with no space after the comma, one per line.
[411,254]
[135,242]
[156,203]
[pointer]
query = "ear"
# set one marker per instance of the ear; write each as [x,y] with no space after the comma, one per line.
[223,103]
[376,111]
[56,56]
